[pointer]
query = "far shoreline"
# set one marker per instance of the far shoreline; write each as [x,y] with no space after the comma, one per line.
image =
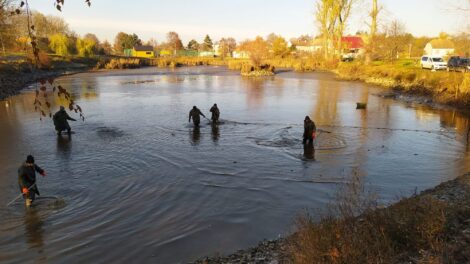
[11,84]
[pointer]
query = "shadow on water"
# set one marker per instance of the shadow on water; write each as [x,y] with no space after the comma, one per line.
[64,144]
[195,135]
[309,152]
[34,230]
[215,132]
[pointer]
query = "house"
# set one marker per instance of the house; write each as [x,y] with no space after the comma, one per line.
[311,47]
[353,46]
[143,52]
[439,48]
[207,54]
[240,54]
[216,49]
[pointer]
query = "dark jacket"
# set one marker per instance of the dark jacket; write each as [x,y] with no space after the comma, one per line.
[309,128]
[195,115]
[27,176]
[215,113]
[60,120]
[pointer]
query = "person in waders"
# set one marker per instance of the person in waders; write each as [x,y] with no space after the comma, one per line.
[27,179]
[60,121]
[215,114]
[195,114]
[310,131]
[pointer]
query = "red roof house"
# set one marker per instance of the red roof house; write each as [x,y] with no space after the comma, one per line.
[353,42]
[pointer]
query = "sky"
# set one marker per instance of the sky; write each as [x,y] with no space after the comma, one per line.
[241,19]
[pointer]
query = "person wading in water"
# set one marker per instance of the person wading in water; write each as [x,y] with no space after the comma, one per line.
[27,179]
[215,114]
[310,131]
[60,121]
[194,114]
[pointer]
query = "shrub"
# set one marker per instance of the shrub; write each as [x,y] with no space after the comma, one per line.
[355,231]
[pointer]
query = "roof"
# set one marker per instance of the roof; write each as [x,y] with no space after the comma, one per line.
[143,48]
[353,42]
[441,44]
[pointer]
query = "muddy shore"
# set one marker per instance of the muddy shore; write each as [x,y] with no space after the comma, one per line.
[455,194]
[12,83]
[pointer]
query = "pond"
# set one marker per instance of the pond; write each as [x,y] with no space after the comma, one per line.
[136,182]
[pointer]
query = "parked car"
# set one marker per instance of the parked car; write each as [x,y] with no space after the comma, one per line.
[456,63]
[433,63]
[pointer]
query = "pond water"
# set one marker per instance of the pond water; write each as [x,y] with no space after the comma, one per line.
[137,183]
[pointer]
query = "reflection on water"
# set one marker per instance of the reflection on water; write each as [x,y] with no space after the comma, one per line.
[135,171]
[309,152]
[215,132]
[64,144]
[34,230]
[196,135]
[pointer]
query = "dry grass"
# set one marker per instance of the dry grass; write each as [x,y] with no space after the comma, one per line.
[355,231]
[442,87]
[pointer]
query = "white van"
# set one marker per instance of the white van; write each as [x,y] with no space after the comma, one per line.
[433,63]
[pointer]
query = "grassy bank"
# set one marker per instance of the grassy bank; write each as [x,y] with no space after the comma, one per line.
[452,88]
[428,228]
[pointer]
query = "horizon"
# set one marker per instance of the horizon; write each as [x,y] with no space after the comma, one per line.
[195,20]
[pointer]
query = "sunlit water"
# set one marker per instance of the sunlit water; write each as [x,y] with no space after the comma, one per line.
[137,184]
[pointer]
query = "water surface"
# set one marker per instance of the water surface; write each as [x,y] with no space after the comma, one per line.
[137,183]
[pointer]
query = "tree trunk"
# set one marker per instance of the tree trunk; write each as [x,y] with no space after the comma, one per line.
[373,31]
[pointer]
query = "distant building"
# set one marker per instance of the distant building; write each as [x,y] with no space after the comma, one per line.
[143,52]
[353,44]
[240,54]
[353,47]
[216,48]
[439,48]
[207,54]
[311,47]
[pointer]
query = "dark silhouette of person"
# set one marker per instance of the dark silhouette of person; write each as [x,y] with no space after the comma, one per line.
[195,114]
[60,121]
[215,113]
[27,179]
[310,131]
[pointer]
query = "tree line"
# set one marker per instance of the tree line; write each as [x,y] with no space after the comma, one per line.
[382,41]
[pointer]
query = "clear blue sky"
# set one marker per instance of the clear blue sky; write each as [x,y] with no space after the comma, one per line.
[240,19]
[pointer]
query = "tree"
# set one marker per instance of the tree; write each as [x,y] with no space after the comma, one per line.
[59,43]
[85,47]
[279,47]
[106,48]
[152,42]
[227,46]
[173,41]
[370,43]
[257,49]
[6,34]
[49,25]
[395,40]
[94,38]
[207,45]
[332,16]
[462,43]
[126,41]
[193,45]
